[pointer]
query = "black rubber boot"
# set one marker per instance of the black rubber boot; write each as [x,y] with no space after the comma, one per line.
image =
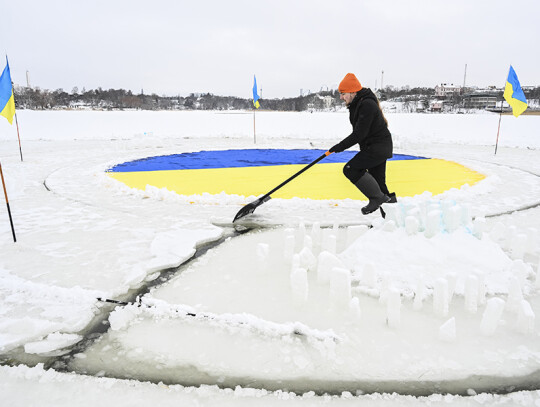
[370,188]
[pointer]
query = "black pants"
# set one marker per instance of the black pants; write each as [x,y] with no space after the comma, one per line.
[362,163]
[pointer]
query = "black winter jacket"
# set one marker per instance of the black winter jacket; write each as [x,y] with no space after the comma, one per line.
[369,127]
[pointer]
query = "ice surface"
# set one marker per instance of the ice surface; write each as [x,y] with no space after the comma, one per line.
[52,343]
[299,286]
[83,235]
[393,308]
[355,337]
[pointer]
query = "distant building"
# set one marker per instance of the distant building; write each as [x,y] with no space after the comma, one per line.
[444,90]
[480,101]
[436,105]
[326,100]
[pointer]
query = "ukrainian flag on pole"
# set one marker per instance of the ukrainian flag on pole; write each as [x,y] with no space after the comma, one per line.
[7,100]
[255,95]
[514,94]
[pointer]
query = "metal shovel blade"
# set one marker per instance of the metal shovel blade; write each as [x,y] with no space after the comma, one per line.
[250,207]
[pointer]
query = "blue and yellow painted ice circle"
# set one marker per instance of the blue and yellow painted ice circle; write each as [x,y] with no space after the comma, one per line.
[256,171]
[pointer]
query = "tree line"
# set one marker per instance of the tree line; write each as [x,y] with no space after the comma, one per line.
[120,99]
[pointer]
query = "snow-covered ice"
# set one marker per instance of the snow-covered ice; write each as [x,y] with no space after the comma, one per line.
[442,296]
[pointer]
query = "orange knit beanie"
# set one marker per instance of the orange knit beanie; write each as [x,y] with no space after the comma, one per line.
[349,84]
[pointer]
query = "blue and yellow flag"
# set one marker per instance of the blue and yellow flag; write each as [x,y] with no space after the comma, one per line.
[7,100]
[255,95]
[514,94]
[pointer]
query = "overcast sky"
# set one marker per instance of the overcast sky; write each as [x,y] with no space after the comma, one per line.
[178,47]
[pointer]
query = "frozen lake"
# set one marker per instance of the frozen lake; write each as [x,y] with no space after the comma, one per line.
[326,300]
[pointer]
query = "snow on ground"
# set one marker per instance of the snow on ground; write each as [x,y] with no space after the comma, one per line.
[421,298]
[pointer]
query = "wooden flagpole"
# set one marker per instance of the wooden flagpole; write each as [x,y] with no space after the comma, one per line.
[7,203]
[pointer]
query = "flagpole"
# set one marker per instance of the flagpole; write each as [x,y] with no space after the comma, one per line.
[15,110]
[500,113]
[19,137]
[498,129]
[255,106]
[16,121]
[7,204]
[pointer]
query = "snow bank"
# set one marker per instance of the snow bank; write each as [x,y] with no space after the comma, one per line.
[23,386]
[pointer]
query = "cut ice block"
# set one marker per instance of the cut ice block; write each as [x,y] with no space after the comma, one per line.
[440,297]
[392,213]
[433,223]
[288,247]
[307,259]
[466,218]
[389,226]
[525,322]
[326,262]
[453,218]
[447,331]
[412,225]
[491,316]
[340,287]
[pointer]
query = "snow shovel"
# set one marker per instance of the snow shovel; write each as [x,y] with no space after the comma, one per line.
[250,207]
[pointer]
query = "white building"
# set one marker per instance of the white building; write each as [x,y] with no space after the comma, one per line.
[444,90]
[480,101]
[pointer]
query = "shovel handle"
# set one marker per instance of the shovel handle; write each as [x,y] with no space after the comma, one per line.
[249,208]
[307,167]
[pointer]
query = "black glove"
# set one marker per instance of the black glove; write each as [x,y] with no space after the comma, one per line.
[336,149]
